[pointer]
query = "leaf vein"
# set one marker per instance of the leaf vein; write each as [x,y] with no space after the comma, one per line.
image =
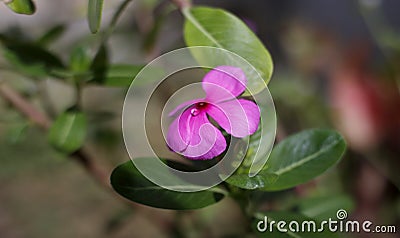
[306,159]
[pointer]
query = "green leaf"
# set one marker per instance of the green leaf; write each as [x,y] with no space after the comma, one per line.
[68,132]
[115,75]
[22,6]
[121,75]
[256,153]
[29,58]
[271,229]
[294,161]
[95,8]
[217,28]
[258,181]
[304,156]
[131,184]
[79,60]
[51,35]
[99,66]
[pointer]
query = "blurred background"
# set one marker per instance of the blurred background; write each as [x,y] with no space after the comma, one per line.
[337,65]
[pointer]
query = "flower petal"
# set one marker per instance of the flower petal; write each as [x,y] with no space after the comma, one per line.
[231,82]
[195,137]
[239,118]
[183,106]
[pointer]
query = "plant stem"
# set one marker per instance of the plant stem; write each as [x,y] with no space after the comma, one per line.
[78,102]
[82,156]
[24,106]
[241,196]
[110,29]
[40,119]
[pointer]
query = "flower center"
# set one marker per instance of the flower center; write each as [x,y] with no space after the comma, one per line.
[198,107]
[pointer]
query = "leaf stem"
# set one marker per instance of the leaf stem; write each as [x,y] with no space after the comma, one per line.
[78,103]
[111,27]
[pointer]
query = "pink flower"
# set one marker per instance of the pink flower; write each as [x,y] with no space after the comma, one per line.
[193,135]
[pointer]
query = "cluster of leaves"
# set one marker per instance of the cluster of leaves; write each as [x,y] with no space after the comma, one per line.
[32,59]
[295,160]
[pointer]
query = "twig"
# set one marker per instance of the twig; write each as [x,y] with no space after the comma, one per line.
[24,106]
[81,156]
[111,27]
[40,119]
[95,171]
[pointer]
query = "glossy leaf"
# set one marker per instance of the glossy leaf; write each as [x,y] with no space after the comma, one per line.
[95,8]
[250,174]
[131,184]
[304,156]
[22,6]
[294,161]
[29,58]
[258,181]
[32,70]
[68,131]
[51,35]
[68,74]
[99,66]
[217,28]
[121,75]
[268,227]
[79,61]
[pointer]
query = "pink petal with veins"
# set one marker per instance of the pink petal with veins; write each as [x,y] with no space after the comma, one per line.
[193,136]
[239,117]
[230,82]
[191,133]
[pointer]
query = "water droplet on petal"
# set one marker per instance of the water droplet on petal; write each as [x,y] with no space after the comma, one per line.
[194,112]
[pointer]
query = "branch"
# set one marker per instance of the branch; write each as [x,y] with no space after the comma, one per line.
[40,119]
[81,156]
[24,106]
